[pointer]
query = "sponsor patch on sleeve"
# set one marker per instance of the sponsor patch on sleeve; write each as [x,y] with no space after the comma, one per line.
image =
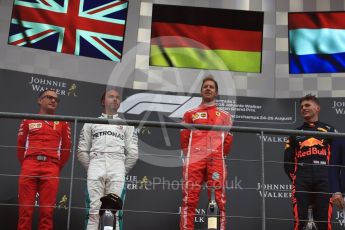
[322,129]
[287,144]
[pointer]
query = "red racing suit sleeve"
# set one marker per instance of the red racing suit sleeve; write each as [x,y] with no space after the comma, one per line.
[21,141]
[185,133]
[228,136]
[289,158]
[65,144]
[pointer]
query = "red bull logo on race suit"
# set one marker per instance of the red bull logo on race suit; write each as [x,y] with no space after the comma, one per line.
[311,146]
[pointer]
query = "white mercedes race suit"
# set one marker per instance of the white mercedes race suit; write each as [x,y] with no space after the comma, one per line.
[107,152]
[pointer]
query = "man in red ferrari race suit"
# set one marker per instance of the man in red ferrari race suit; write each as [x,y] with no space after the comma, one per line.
[43,148]
[204,152]
[306,159]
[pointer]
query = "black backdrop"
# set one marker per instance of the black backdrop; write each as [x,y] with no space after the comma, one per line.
[153,192]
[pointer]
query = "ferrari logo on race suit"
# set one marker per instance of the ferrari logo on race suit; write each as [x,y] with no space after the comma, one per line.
[217,113]
[199,115]
[55,124]
[35,126]
[215,176]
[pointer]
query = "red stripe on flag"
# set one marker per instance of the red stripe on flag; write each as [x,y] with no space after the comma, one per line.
[106,47]
[182,35]
[45,2]
[69,38]
[31,37]
[105,7]
[319,20]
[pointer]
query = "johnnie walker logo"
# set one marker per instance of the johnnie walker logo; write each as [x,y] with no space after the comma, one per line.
[339,107]
[39,84]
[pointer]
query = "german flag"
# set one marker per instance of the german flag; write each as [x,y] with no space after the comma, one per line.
[206,38]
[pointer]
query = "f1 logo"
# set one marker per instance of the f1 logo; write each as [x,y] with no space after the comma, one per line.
[174,104]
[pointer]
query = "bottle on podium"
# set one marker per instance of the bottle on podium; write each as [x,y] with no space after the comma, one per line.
[111,203]
[310,224]
[212,212]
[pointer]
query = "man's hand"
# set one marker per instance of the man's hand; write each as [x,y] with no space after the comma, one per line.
[338,200]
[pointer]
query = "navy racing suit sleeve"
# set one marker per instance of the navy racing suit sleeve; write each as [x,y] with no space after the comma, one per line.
[337,164]
[131,147]
[289,157]
[84,146]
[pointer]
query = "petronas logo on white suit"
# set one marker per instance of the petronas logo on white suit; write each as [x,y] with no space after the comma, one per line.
[108,133]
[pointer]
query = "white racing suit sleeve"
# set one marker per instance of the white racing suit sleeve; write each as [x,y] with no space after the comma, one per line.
[131,147]
[84,146]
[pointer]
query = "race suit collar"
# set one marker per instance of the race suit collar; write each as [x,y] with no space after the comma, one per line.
[206,106]
[110,116]
[311,124]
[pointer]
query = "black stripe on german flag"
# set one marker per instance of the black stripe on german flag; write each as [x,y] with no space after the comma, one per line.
[212,17]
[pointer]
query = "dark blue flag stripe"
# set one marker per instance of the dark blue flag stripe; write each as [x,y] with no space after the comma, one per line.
[317,63]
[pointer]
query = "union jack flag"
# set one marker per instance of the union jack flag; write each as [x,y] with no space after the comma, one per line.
[92,28]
